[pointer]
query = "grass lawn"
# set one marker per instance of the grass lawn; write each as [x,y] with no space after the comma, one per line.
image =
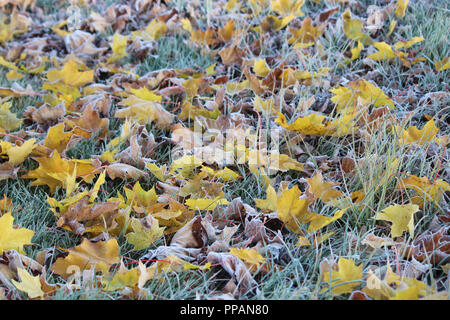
[147,75]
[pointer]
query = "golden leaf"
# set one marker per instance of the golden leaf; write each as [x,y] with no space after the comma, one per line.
[347,271]
[29,284]
[101,255]
[11,238]
[402,218]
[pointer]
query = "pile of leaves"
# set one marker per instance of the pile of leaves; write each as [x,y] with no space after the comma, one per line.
[274,152]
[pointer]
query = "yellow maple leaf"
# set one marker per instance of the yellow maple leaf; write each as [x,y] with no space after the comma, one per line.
[185,165]
[307,33]
[54,171]
[139,197]
[57,139]
[69,75]
[313,123]
[408,43]
[273,23]
[146,94]
[393,287]
[205,204]
[426,190]
[18,154]
[322,190]
[305,242]
[392,26]
[318,221]
[420,136]
[13,75]
[270,203]
[153,32]
[355,51]
[442,65]
[371,93]
[144,232]
[29,284]
[8,120]
[100,181]
[8,64]
[347,272]
[265,106]
[384,52]
[402,218]
[144,112]
[11,238]
[119,47]
[288,7]
[190,111]
[101,255]
[260,68]
[251,257]
[316,124]
[121,279]
[400,9]
[352,28]
[292,210]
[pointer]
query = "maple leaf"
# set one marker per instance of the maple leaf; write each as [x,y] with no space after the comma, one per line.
[385,52]
[29,284]
[154,31]
[318,221]
[420,136]
[95,217]
[426,189]
[69,75]
[5,204]
[138,197]
[122,278]
[205,204]
[346,271]
[198,36]
[316,124]
[145,232]
[307,33]
[322,190]
[18,154]
[409,43]
[100,254]
[272,23]
[393,287]
[59,140]
[260,68]
[55,171]
[119,47]
[311,124]
[361,91]
[144,111]
[352,28]
[401,216]
[355,51]
[442,65]
[11,238]
[227,32]
[305,242]
[8,120]
[146,94]
[251,257]
[292,210]
[288,7]
[270,203]
[400,9]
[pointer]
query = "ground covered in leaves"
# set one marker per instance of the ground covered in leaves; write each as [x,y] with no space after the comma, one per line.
[289,149]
